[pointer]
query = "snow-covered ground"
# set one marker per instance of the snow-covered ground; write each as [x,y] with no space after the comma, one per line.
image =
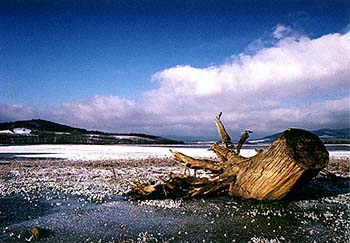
[107,152]
[102,152]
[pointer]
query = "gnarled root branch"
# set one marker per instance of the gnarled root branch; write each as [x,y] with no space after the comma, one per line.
[191,163]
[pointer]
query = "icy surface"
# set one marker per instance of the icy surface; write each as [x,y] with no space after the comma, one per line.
[103,152]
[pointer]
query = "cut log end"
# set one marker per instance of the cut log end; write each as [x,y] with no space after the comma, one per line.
[306,148]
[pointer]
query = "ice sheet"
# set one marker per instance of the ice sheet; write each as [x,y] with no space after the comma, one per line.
[105,152]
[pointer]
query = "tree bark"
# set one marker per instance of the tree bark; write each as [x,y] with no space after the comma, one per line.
[290,161]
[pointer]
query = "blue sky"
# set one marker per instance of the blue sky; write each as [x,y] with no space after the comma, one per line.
[124,66]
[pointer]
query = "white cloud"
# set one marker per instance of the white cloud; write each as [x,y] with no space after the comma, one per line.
[291,68]
[329,113]
[278,87]
[100,112]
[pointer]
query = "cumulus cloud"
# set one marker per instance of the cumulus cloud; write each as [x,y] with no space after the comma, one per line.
[328,113]
[292,67]
[277,87]
[99,112]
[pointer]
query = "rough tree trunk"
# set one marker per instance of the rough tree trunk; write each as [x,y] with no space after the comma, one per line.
[290,161]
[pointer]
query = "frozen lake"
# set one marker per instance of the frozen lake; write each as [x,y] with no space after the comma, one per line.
[116,152]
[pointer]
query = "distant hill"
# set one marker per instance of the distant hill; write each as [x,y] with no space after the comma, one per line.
[329,136]
[46,132]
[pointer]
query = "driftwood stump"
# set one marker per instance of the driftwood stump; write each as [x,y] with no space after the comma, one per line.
[289,162]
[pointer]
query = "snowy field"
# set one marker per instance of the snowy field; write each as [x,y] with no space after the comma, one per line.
[116,152]
[105,152]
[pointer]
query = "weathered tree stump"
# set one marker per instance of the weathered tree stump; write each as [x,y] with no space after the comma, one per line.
[290,161]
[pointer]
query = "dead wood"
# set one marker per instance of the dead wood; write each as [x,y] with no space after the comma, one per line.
[191,163]
[290,161]
[225,138]
[242,140]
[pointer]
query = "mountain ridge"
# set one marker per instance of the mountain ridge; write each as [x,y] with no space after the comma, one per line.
[39,131]
[327,135]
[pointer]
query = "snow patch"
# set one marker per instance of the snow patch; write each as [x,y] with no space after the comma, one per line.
[6,132]
[326,137]
[62,133]
[22,131]
[132,138]
[260,141]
